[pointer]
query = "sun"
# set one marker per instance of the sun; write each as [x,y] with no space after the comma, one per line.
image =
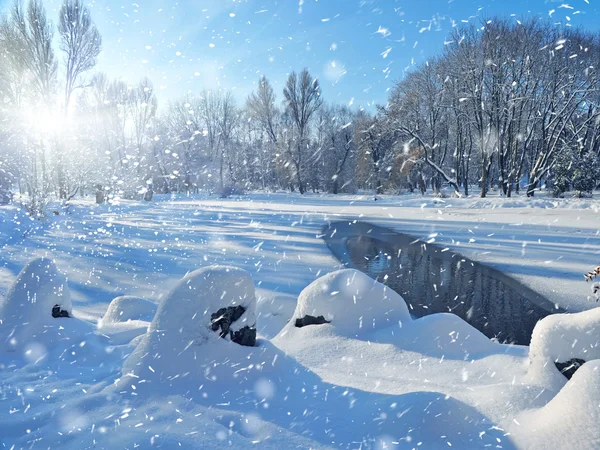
[46,121]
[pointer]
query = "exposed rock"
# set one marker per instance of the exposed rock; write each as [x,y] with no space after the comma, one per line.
[311,320]
[57,312]
[568,368]
[225,317]
[244,336]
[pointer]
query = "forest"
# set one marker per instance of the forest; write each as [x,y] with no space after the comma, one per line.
[507,105]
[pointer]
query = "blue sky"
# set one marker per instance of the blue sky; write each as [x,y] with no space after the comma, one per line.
[357,48]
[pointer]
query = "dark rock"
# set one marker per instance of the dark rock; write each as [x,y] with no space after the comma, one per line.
[58,312]
[224,318]
[245,336]
[568,368]
[311,320]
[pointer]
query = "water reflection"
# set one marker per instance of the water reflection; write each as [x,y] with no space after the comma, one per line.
[433,281]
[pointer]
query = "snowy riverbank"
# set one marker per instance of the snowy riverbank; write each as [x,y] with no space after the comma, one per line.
[391,381]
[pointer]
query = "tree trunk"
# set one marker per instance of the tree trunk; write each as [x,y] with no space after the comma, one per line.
[334,188]
[483,175]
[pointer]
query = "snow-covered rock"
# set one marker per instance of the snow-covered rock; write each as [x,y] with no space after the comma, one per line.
[26,313]
[354,303]
[126,308]
[569,420]
[563,337]
[185,320]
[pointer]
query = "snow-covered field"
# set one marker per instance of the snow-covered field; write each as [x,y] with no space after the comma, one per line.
[372,378]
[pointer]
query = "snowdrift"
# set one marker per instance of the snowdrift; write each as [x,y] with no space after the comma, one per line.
[182,355]
[39,293]
[126,318]
[569,420]
[126,308]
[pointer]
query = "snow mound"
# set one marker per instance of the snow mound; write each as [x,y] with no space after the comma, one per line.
[354,303]
[569,420]
[273,312]
[185,321]
[26,313]
[126,308]
[440,335]
[562,337]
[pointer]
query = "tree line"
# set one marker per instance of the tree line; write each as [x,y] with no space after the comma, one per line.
[507,104]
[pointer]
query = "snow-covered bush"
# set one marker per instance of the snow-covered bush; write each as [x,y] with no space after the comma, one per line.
[586,174]
[571,170]
[38,300]
[352,302]
[186,319]
[562,173]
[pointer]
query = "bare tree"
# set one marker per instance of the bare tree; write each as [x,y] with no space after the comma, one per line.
[303,98]
[228,120]
[35,35]
[262,106]
[79,40]
[31,34]
[81,43]
[143,106]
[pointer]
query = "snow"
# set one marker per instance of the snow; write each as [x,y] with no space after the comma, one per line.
[561,337]
[123,377]
[126,318]
[354,303]
[273,311]
[26,311]
[181,328]
[127,307]
[569,420]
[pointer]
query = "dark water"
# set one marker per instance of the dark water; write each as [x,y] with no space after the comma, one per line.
[433,281]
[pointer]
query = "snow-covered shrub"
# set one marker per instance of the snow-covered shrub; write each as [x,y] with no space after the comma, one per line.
[186,318]
[125,308]
[39,293]
[353,302]
[571,170]
[566,338]
[562,173]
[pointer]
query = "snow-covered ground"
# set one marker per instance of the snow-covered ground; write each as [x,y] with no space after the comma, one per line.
[434,381]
